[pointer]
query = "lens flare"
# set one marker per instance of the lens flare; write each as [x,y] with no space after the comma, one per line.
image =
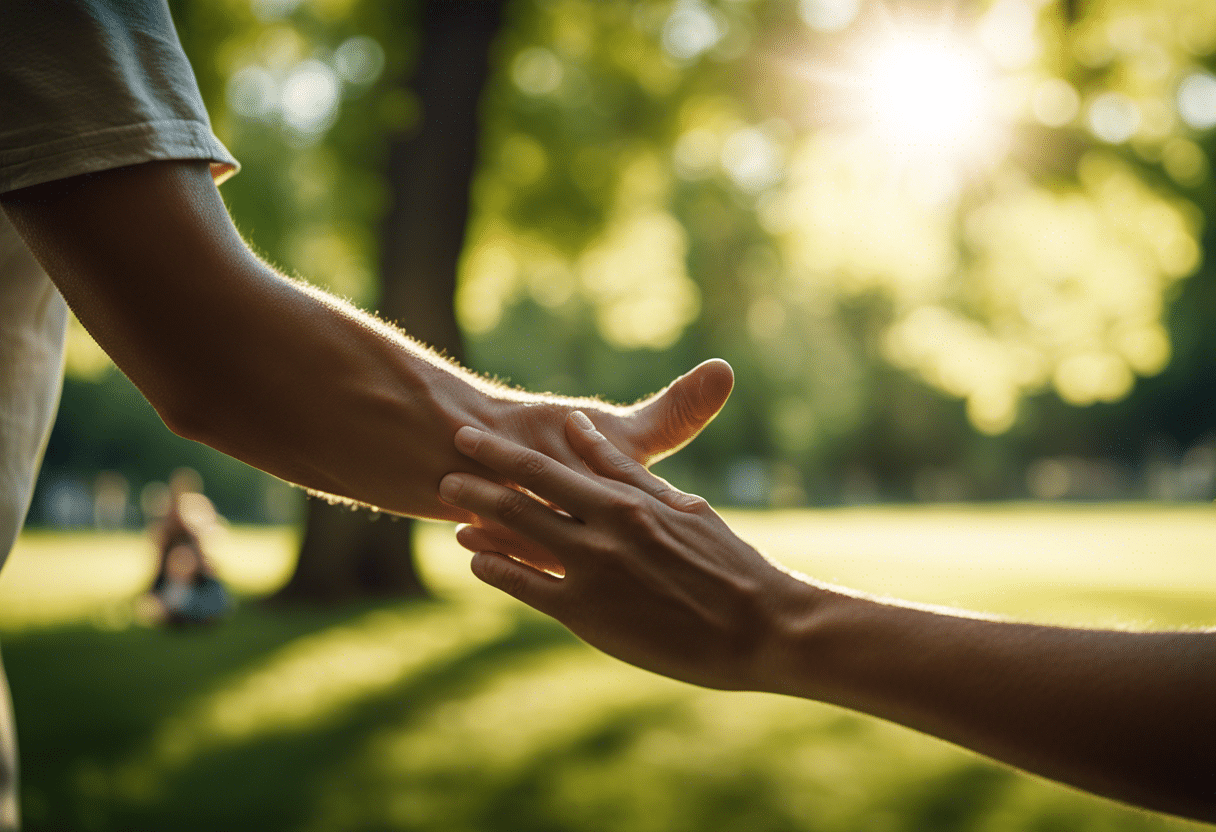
[930,96]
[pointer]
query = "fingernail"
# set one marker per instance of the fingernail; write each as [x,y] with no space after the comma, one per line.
[580,419]
[449,488]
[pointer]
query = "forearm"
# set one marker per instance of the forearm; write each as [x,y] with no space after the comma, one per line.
[286,377]
[233,354]
[1127,715]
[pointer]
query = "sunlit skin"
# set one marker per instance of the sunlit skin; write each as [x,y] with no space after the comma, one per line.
[280,374]
[654,576]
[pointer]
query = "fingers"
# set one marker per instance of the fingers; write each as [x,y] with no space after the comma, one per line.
[550,480]
[609,461]
[503,505]
[670,419]
[524,583]
[490,537]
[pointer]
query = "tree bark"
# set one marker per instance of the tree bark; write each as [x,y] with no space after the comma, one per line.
[351,554]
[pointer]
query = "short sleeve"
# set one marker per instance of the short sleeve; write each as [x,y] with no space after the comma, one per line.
[90,85]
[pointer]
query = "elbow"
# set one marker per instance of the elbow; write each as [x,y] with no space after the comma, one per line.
[182,420]
[190,413]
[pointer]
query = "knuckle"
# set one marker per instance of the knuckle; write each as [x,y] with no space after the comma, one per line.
[530,464]
[625,505]
[620,462]
[679,500]
[511,580]
[635,512]
[510,504]
[691,503]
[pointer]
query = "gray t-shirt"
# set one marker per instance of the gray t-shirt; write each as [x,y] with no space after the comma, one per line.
[89,85]
[85,86]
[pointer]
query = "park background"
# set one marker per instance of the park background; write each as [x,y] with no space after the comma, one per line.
[954,252]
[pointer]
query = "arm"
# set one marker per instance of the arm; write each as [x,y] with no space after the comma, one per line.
[655,577]
[282,375]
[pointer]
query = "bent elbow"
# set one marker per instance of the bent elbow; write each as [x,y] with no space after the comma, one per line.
[189,415]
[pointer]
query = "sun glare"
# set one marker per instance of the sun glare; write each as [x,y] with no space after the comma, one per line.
[926,95]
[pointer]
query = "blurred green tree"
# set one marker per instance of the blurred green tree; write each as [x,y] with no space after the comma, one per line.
[430,170]
[999,200]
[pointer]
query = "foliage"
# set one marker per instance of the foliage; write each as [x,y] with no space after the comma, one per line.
[914,307]
[822,250]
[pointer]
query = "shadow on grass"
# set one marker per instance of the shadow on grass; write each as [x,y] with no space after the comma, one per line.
[90,701]
[87,699]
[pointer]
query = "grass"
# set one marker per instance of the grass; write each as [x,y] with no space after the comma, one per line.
[473,713]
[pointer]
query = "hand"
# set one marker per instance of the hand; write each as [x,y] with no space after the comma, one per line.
[646,432]
[652,575]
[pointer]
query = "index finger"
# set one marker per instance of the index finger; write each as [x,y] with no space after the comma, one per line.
[575,493]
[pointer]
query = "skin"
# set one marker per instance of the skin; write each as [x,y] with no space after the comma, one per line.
[655,577]
[282,375]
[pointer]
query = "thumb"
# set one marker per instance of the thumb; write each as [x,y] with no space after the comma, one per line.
[668,420]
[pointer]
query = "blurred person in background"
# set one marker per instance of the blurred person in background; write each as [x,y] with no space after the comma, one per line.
[653,576]
[181,509]
[108,174]
[186,589]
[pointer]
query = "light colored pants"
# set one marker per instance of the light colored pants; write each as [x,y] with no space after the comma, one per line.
[9,816]
[33,320]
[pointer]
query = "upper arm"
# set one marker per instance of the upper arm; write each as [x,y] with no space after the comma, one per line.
[145,256]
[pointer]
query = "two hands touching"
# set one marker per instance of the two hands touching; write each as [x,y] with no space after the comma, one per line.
[653,576]
[630,564]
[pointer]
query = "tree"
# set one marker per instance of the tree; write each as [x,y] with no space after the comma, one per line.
[349,553]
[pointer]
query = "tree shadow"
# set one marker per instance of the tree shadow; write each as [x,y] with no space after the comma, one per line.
[73,766]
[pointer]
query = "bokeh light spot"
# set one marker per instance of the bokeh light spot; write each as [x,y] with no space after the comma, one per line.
[691,30]
[1113,117]
[537,71]
[829,15]
[310,97]
[359,60]
[252,92]
[1055,102]
[1197,100]
[925,93]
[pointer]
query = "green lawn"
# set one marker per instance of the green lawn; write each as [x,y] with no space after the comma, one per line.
[472,713]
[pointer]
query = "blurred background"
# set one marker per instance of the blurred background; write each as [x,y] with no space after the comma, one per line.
[954,252]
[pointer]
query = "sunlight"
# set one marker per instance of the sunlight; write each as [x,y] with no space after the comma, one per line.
[929,96]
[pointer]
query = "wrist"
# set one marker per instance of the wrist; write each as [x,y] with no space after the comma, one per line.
[807,633]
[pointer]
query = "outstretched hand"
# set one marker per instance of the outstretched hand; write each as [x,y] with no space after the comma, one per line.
[646,432]
[649,574]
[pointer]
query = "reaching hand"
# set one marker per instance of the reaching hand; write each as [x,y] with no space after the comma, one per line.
[645,432]
[652,575]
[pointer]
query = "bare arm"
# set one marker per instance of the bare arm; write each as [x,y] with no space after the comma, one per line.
[655,577]
[281,375]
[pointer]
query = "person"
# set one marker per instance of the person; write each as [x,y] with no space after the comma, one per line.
[653,576]
[108,175]
[185,589]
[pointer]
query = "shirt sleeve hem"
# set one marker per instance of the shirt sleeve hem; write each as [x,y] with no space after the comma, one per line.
[116,147]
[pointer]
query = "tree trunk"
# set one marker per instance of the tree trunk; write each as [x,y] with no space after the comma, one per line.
[352,554]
